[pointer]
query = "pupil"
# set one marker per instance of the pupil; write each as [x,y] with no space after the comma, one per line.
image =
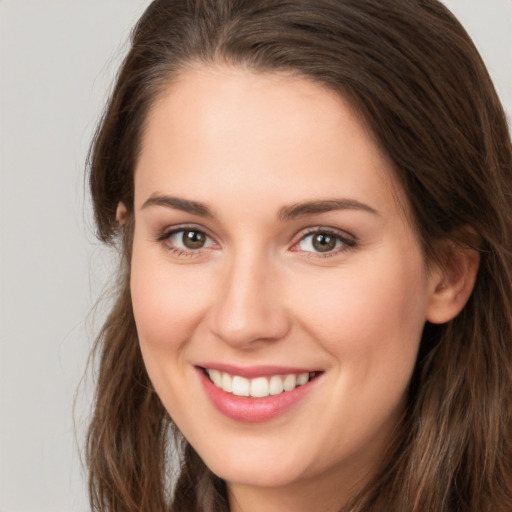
[193,239]
[324,242]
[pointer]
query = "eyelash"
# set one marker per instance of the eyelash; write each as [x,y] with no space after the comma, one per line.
[187,253]
[347,242]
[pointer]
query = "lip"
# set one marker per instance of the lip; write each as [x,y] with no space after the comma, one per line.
[253,410]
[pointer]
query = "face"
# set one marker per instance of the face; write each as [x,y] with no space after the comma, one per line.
[272,258]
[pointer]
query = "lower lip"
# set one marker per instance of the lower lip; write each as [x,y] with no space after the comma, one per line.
[253,410]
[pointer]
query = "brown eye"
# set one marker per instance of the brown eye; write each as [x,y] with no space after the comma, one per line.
[324,242]
[192,239]
[186,240]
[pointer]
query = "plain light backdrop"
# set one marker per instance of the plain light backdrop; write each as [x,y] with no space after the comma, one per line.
[57,62]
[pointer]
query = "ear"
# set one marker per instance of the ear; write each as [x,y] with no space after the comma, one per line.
[121,214]
[452,282]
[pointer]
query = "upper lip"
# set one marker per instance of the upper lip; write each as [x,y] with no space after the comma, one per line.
[250,372]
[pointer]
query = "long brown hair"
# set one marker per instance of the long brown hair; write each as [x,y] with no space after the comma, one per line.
[414,75]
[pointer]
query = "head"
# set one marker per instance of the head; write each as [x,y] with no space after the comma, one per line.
[407,81]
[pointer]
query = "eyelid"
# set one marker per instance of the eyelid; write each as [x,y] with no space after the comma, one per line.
[165,235]
[349,240]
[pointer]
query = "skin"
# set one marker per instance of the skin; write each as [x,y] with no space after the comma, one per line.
[246,146]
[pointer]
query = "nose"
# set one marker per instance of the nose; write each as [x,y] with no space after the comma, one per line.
[247,307]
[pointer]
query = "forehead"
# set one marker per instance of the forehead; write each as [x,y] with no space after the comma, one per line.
[256,131]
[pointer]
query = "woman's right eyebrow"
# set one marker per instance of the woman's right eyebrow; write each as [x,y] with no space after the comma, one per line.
[177,203]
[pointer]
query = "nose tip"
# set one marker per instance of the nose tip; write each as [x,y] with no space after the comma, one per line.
[248,308]
[242,327]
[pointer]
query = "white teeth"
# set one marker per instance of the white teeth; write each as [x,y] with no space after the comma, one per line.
[276,385]
[259,387]
[289,382]
[302,379]
[241,386]
[227,382]
[216,377]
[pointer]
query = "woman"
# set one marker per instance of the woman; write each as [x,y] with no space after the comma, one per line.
[313,313]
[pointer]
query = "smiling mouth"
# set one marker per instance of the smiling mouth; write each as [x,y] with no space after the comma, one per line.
[259,387]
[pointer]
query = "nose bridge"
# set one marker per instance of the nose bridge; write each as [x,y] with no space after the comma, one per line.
[248,306]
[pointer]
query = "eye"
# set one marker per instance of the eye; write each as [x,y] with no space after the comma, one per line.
[324,241]
[186,240]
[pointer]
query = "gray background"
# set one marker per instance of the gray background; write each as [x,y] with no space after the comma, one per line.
[57,60]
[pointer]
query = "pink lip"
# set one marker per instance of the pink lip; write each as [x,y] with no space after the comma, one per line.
[253,410]
[255,371]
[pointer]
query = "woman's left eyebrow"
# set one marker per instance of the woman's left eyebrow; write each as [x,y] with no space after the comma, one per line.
[322,206]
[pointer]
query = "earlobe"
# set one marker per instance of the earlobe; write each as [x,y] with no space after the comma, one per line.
[452,284]
[121,214]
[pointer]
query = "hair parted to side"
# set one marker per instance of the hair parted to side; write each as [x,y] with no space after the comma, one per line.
[414,75]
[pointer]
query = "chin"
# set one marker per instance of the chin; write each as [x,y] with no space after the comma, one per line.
[248,468]
[264,476]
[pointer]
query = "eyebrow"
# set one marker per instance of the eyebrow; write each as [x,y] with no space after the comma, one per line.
[185,205]
[314,207]
[285,213]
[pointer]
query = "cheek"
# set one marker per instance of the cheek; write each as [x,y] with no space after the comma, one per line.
[167,300]
[373,315]
[167,304]
[370,322]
